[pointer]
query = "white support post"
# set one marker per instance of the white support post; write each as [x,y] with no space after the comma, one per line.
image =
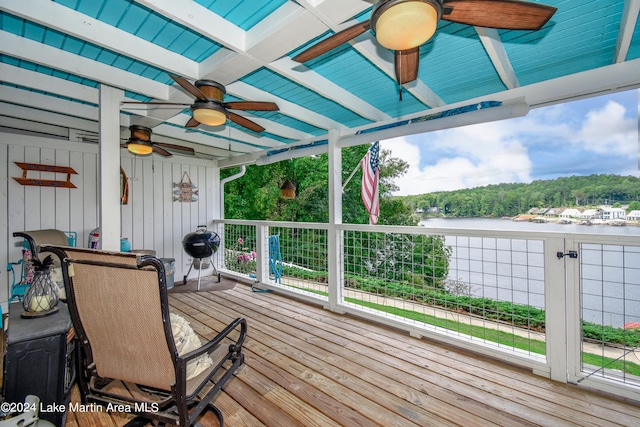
[335,237]
[262,249]
[555,309]
[109,167]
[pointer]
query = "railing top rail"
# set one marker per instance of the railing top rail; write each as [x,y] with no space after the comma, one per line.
[289,224]
[467,232]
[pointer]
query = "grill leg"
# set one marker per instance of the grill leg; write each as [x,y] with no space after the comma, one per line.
[215,270]
[199,272]
[184,280]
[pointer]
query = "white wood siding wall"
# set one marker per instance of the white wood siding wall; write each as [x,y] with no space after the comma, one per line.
[151,219]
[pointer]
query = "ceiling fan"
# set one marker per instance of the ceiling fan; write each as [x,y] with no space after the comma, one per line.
[209,107]
[140,143]
[404,25]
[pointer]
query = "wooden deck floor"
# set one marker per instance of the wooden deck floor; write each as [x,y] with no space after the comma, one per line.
[306,366]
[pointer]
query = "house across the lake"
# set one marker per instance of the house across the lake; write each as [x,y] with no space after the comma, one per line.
[609,214]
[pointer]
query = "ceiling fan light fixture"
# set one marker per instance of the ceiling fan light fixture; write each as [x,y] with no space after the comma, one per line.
[139,147]
[210,116]
[405,24]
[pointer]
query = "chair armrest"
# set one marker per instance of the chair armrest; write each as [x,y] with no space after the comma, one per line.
[210,345]
[234,354]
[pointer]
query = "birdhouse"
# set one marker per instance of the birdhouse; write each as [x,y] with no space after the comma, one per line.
[288,190]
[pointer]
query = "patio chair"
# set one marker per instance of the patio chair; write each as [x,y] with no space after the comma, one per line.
[128,355]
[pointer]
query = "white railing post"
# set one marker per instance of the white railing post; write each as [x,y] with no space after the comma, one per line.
[262,251]
[555,309]
[335,235]
[574,317]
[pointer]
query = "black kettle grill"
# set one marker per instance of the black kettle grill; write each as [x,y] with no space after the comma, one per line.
[201,244]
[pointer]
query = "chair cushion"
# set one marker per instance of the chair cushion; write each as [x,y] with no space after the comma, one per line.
[186,340]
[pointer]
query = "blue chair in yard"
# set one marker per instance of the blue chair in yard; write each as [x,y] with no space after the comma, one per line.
[275,258]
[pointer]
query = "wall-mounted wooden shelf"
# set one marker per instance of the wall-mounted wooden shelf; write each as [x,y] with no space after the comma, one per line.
[26,167]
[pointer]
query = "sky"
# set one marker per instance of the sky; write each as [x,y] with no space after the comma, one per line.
[591,136]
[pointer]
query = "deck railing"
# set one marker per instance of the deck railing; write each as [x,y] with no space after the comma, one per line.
[519,296]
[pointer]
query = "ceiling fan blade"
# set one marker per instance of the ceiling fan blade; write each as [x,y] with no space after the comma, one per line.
[188,87]
[251,105]
[174,147]
[332,42]
[243,121]
[406,64]
[504,14]
[192,123]
[161,151]
[156,103]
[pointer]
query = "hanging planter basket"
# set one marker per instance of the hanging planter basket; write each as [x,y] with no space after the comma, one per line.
[288,190]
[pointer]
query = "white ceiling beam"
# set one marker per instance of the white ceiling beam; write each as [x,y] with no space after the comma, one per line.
[68,21]
[610,79]
[46,83]
[498,55]
[202,20]
[276,128]
[171,135]
[225,65]
[222,141]
[29,126]
[225,132]
[328,11]
[23,48]
[41,116]
[325,87]
[228,66]
[49,103]
[246,91]
[627,27]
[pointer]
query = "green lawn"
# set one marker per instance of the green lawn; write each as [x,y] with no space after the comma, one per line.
[488,334]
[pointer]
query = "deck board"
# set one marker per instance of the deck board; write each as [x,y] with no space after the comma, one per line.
[306,366]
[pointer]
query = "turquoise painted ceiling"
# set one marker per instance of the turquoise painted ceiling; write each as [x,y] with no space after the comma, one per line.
[55,56]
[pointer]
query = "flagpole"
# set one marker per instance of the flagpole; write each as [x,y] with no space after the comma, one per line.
[354,172]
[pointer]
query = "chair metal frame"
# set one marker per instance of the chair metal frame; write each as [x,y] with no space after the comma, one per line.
[33,239]
[178,401]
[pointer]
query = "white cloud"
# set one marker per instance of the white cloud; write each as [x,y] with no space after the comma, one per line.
[608,131]
[473,156]
[496,152]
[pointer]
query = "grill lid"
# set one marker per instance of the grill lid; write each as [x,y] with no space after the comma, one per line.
[201,243]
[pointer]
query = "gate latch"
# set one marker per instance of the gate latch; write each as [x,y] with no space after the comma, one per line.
[571,254]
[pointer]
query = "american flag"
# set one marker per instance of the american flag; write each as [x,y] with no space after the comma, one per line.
[370,171]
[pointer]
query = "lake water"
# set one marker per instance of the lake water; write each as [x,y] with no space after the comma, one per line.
[513,270]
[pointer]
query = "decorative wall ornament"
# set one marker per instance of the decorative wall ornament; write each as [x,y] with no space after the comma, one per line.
[26,167]
[185,190]
[124,187]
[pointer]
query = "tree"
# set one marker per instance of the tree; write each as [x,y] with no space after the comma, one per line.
[256,195]
[633,206]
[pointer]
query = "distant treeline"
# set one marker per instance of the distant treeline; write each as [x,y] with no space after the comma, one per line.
[513,199]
